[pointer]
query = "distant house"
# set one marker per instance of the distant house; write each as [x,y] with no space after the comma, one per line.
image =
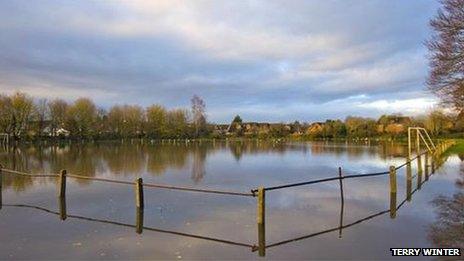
[252,128]
[221,129]
[393,124]
[315,128]
[60,132]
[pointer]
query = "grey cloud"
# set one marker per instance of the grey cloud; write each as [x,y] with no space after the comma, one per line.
[267,60]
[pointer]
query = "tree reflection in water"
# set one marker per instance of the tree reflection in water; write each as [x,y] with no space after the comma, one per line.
[198,165]
[448,230]
[129,159]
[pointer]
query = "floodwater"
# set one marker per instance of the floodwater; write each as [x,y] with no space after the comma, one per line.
[102,217]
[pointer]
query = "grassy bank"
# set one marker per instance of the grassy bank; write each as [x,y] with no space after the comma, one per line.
[458,148]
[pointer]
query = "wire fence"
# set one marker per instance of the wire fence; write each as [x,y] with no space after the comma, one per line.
[252,193]
[124,182]
[252,247]
[431,160]
[342,177]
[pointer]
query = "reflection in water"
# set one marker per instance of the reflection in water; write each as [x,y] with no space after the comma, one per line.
[139,225]
[198,165]
[124,159]
[157,159]
[448,230]
[392,210]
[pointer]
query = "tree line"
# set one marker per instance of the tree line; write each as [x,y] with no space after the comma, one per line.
[23,117]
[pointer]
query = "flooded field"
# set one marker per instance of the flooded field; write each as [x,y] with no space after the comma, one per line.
[301,222]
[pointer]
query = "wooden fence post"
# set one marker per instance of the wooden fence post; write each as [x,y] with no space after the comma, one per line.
[1,188]
[392,192]
[342,201]
[139,202]
[62,192]
[426,165]
[419,172]
[408,180]
[419,164]
[260,219]
[432,162]
[392,179]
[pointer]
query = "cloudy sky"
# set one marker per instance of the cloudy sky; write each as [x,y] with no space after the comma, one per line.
[265,60]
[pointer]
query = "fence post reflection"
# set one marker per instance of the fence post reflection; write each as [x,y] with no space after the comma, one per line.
[392,192]
[62,207]
[139,220]
[260,219]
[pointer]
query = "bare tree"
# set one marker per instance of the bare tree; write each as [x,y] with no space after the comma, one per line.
[199,114]
[446,48]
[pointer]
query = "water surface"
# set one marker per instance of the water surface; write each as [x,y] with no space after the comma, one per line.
[101,216]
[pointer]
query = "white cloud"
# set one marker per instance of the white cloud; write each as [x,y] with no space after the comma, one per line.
[407,106]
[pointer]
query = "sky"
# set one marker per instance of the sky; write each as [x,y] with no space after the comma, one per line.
[266,60]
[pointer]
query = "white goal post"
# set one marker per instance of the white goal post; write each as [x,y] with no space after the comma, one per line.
[421,134]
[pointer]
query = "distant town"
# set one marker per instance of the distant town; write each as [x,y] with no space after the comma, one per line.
[24,118]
